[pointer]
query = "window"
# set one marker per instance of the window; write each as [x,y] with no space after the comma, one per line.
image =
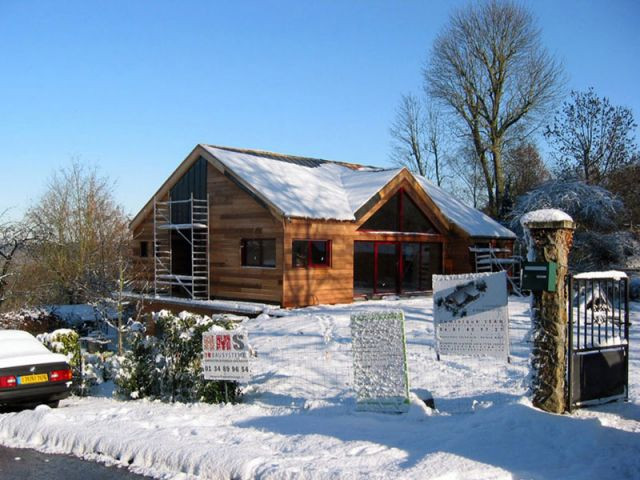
[260,252]
[399,214]
[311,253]
[144,249]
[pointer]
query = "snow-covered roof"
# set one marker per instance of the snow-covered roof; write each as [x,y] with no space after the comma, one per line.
[472,221]
[305,188]
[328,190]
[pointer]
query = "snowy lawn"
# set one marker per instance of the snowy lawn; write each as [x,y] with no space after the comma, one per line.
[298,420]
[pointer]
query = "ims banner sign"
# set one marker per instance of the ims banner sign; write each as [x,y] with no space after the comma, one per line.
[225,355]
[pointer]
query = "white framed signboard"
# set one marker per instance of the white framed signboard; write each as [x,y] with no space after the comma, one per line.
[225,355]
[470,314]
[380,361]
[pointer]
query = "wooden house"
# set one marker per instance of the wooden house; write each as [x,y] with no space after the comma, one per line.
[250,225]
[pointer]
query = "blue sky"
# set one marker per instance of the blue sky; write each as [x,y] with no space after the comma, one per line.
[133,86]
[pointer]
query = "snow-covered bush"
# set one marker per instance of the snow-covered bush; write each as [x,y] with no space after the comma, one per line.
[596,212]
[97,368]
[67,342]
[590,206]
[64,341]
[167,366]
[34,321]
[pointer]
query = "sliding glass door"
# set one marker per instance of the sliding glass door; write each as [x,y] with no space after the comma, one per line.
[395,267]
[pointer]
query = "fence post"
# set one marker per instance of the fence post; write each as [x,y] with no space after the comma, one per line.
[551,241]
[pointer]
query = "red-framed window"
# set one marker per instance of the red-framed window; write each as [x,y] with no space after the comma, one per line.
[311,253]
[258,252]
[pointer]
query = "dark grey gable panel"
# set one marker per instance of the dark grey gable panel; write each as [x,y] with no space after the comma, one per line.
[194,181]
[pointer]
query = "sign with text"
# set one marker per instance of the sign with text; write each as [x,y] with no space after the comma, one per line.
[225,355]
[380,361]
[470,314]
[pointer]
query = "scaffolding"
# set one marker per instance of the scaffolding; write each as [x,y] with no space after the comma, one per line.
[491,259]
[195,232]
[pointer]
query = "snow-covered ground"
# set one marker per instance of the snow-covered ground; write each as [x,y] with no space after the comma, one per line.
[299,419]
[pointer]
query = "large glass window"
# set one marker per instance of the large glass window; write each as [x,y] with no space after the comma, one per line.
[410,267]
[386,219]
[413,220]
[384,267]
[399,214]
[259,252]
[311,253]
[363,267]
[387,268]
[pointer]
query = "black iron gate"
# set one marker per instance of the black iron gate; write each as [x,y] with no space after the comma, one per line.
[598,339]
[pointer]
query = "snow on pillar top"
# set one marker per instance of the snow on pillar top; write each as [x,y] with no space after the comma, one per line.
[546,218]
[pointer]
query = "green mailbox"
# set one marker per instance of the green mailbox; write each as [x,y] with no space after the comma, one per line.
[540,276]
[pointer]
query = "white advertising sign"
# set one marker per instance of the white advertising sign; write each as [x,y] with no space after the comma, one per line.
[470,314]
[380,361]
[225,355]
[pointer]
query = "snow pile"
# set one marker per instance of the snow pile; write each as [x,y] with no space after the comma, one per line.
[545,215]
[499,436]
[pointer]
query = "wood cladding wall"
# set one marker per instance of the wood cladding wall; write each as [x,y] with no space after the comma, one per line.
[234,215]
[311,286]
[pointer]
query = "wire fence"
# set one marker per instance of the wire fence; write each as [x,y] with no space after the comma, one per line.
[312,367]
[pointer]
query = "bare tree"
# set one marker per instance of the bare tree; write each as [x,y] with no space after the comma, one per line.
[524,169]
[591,137]
[490,70]
[468,181]
[14,237]
[82,236]
[408,134]
[419,138]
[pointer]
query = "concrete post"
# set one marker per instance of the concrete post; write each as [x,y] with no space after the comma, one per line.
[551,241]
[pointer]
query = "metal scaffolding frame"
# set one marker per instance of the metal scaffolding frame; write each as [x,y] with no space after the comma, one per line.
[195,233]
[491,259]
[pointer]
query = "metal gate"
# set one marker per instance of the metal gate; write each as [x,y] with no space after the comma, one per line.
[598,339]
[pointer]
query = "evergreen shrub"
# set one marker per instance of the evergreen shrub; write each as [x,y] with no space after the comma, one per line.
[168,365]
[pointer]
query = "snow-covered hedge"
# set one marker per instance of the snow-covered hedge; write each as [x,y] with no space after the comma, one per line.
[67,342]
[32,320]
[64,341]
[167,366]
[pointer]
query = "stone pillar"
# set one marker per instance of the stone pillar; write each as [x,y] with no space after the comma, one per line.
[551,241]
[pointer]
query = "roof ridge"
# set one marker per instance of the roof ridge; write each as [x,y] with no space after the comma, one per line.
[287,157]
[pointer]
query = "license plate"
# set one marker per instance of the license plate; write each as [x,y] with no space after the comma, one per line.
[37,378]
